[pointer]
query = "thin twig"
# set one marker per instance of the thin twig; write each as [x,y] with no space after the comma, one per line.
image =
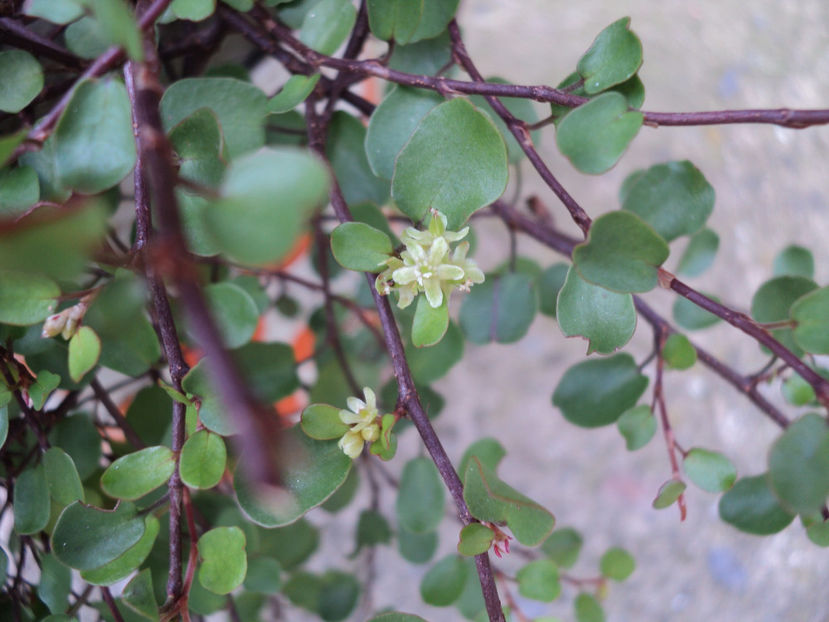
[114,412]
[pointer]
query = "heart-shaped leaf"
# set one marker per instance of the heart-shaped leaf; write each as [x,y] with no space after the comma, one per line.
[394,19]
[84,350]
[197,140]
[136,474]
[795,260]
[224,563]
[614,57]
[361,247]
[799,465]
[475,539]
[811,314]
[202,461]
[420,497]
[617,564]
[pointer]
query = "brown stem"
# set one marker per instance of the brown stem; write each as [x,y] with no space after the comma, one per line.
[110,603]
[114,412]
[14,33]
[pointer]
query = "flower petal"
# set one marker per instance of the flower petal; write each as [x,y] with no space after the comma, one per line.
[405,296]
[355,404]
[404,276]
[439,250]
[371,399]
[448,272]
[433,293]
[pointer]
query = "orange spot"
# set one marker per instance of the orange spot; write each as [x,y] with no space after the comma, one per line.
[125,403]
[303,344]
[299,248]
[191,355]
[291,404]
[370,90]
[259,333]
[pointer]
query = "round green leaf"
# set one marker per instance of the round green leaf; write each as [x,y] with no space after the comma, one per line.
[118,24]
[266,199]
[621,253]
[80,439]
[548,284]
[606,319]
[293,93]
[799,465]
[55,584]
[372,529]
[62,477]
[678,352]
[55,11]
[31,501]
[202,461]
[139,595]
[193,10]
[21,79]
[262,576]
[94,145]
[500,309]
[198,143]
[26,298]
[475,539]
[322,422]
[87,537]
[327,24]
[594,393]
[563,546]
[520,108]
[596,134]
[751,506]
[668,493]
[772,301]
[84,350]
[417,548]
[455,162]
[138,473]
[234,311]
[132,558]
[420,497]
[794,260]
[86,38]
[797,391]
[617,564]
[699,254]
[818,532]
[539,580]
[614,57]
[444,582]
[361,247]
[19,190]
[709,470]
[691,317]
[425,57]
[224,562]
[487,450]
[430,323]
[637,425]
[588,608]
[811,314]
[345,149]
[406,22]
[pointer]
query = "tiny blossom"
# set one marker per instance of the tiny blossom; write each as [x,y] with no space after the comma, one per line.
[362,417]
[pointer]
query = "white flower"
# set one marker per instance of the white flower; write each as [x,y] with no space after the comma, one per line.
[362,417]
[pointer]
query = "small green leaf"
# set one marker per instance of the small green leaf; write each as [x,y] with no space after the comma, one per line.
[55,584]
[605,318]
[521,109]
[138,473]
[361,247]
[614,57]
[322,422]
[224,562]
[138,595]
[118,25]
[234,312]
[87,537]
[588,608]
[327,25]
[430,323]
[202,461]
[21,79]
[811,313]
[80,439]
[198,143]
[596,134]
[539,580]
[31,501]
[699,254]
[488,450]
[84,350]
[345,149]
[668,493]
[372,529]
[818,532]
[621,253]
[420,497]
[751,506]
[678,352]
[799,465]
[443,584]
[709,470]
[563,546]
[193,10]
[385,447]
[617,564]
[430,364]
[26,298]
[425,57]
[62,477]
[40,390]
[797,391]
[86,38]
[475,539]
[55,11]
[455,162]
[417,548]
[548,285]
[293,93]
[125,564]
[499,309]
[263,576]
[9,142]
[795,260]
[772,301]
[596,392]
[637,425]
[19,190]
[402,20]
[691,317]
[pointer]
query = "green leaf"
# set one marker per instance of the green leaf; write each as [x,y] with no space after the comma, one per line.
[394,19]
[55,584]
[797,391]
[396,616]
[193,10]
[62,477]
[267,198]
[810,313]
[19,190]
[539,580]
[224,562]
[417,548]
[621,253]
[86,38]
[617,564]
[772,301]
[455,162]
[315,471]
[818,532]
[87,537]
[799,465]
[563,546]
[4,565]
[263,576]
[709,470]
[234,312]
[436,17]
[327,25]
[490,499]
[499,309]
[426,57]
[361,247]
[198,143]
[26,298]
[637,425]
[118,25]
[138,595]
[203,460]
[548,285]
[751,506]
[372,529]
[55,11]
[132,558]
[332,595]
[588,608]
[239,106]
[668,493]
[596,392]
[94,145]
[9,142]
[345,148]
[394,121]
[322,422]
[293,93]
[430,323]
[290,545]
[78,437]
[488,450]
[4,425]
[605,318]
[475,539]
[420,497]
[31,501]
[344,494]
[430,364]
[691,317]
[699,254]
[596,134]
[678,352]
[21,79]
[84,350]
[520,108]
[614,57]
[443,584]
[794,260]
[674,198]
[138,473]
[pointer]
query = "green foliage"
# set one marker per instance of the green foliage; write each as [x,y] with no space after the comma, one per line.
[84,350]
[794,260]
[21,79]
[202,460]
[678,352]
[637,425]
[443,584]
[539,580]
[421,498]
[668,494]
[810,314]
[699,254]
[500,309]
[751,506]
[475,539]
[223,561]
[617,564]
[361,247]
[614,57]
[138,473]
[709,470]
[799,465]
[26,299]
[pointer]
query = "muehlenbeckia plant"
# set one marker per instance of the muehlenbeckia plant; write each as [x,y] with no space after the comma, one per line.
[363,419]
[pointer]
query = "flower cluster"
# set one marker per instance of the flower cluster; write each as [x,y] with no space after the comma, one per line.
[428,265]
[363,419]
